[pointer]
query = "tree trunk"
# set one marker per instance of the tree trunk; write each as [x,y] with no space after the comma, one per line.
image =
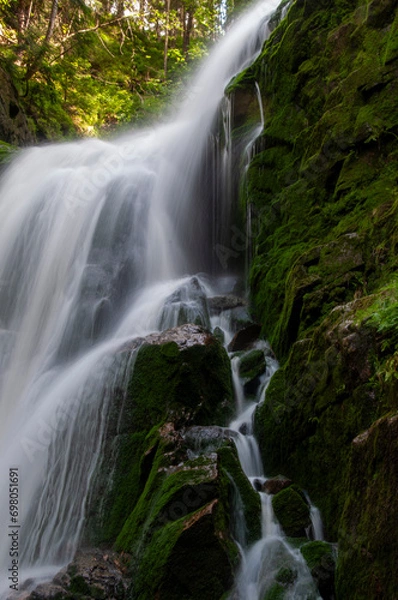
[51,24]
[187,32]
[166,38]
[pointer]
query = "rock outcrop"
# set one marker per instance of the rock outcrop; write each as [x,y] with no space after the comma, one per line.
[323,189]
[170,475]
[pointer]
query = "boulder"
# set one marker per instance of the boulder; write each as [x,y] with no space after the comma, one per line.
[276,484]
[219,304]
[189,558]
[187,304]
[292,511]
[252,365]
[245,338]
[180,377]
[92,574]
[321,560]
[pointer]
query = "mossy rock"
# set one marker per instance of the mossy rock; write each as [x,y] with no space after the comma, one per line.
[187,559]
[236,483]
[192,384]
[252,365]
[292,511]
[181,377]
[321,560]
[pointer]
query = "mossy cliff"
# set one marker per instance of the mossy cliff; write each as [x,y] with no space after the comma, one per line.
[323,194]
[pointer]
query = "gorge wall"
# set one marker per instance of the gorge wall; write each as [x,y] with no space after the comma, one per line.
[323,198]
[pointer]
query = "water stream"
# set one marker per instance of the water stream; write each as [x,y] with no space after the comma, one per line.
[95,237]
[265,560]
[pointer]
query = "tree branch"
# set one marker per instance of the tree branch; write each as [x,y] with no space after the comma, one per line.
[98,26]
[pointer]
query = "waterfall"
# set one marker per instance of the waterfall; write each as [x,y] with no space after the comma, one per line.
[95,238]
[266,558]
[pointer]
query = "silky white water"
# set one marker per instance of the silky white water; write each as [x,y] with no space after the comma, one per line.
[262,561]
[95,237]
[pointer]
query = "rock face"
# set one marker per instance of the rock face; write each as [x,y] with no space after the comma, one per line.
[164,491]
[368,544]
[321,560]
[323,188]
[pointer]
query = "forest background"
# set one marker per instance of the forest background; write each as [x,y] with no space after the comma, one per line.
[85,67]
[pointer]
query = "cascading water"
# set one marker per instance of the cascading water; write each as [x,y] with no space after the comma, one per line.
[95,239]
[262,561]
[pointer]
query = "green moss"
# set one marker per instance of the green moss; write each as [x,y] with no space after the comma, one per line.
[367,543]
[6,153]
[286,576]
[316,553]
[166,380]
[230,466]
[292,511]
[168,567]
[252,364]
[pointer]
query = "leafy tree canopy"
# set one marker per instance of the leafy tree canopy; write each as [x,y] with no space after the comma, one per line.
[87,65]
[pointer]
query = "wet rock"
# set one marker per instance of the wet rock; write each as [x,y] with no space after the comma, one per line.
[245,338]
[252,365]
[219,334]
[218,304]
[188,304]
[92,574]
[49,591]
[181,377]
[368,549]
[191,561]
[276,484]
[321,560]
[207,438]
[292,511]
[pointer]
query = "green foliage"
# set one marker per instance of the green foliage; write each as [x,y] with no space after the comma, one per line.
[90,67]
[6,153]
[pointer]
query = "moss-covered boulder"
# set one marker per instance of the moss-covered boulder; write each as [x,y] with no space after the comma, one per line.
[252,365]
[321,560]
[292,511]
[170,483]
[180,531]
[181,377]
[187,558]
